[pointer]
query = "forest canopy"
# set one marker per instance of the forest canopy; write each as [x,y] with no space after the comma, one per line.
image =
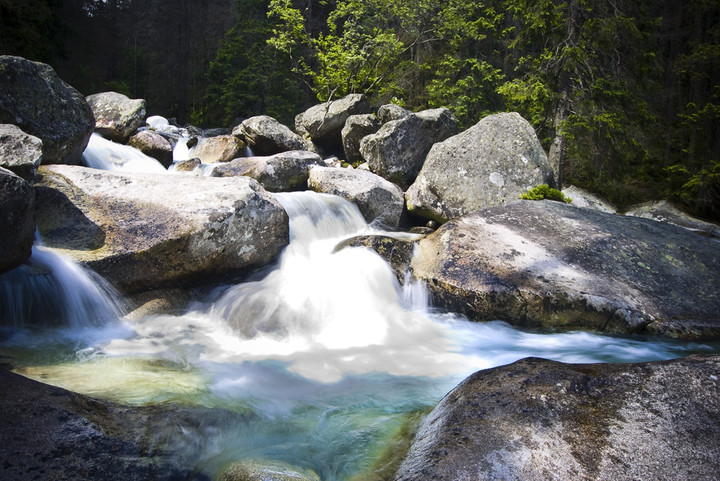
[624,94]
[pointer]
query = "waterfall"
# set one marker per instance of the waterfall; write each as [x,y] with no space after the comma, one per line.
[107,155]
[52,291]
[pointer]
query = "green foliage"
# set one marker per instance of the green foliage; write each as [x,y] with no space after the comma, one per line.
[543,191]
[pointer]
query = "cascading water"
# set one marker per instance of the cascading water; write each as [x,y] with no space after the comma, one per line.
[316,363]
[104,154]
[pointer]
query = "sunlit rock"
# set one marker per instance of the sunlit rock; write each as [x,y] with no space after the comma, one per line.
[397,151]
[281,172]
[583,198]
[489,164]
[17,220]
[552,265]
[389,112]
[142,230]
[154,145]
[323,123]
[117,117]
[539,419]
[20,153]
[35,99]
[663,211]
[378,199]
[221,148]
[266,136]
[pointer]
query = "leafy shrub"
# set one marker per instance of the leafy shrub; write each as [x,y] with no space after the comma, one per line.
[544,191]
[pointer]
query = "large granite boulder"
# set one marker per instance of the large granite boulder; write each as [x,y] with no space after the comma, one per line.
[378,199]
[283,172]
[221,148]
[356,128]
[117,117]
[489,164]
[663,211]
[154,145]
[142,231]
[389,112]
[545,264]
[17,220]
[35,99]
[543,420]
[323,123]
[20,153]
[266,136]
[397,151]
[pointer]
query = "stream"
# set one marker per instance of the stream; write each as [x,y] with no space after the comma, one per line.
[318,361]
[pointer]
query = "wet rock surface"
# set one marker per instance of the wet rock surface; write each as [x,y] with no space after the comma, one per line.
[542,420]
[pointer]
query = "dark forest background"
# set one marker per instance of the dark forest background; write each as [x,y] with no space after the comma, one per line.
[624,94]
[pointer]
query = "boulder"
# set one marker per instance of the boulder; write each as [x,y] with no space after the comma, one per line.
[190,165]
[153,145]
[587,200]
[398,150]
[142,231]
[17,220]
[389,112]
[324,122]
[487,165]
[355,129]
[266,136]
[663,211]
[222,148]
[543,420]
[20,153]
[378,199]
[116,116]
[266,470]
[35,99]
[545,264]
[281,172]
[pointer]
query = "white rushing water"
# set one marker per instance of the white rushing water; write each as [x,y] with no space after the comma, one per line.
[104,154]
[326,350]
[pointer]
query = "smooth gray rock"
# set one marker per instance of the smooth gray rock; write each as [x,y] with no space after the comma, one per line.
[142,231]
[582,198]
[663,211]
[397,151]
[356,128]
[545,264]
[35,99]
[153,145]
[378,199]
[17,220]
[266,136]
[117,117]
[389,112]
[20,153]
[323,123]
[487,165]
[283,172]
[543,420]
[221,148]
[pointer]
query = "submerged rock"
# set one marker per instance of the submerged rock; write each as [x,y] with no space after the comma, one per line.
[551,265]
[397,151]
[143,231]
[17,220]
[117,117]
[489,164]
[266,470]
[20,153]
[286,171]
[377,198]
[34,98]
[544,420]
[266,136]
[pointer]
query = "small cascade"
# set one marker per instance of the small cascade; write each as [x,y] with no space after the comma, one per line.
[52,291]
[103,154]
[181,151]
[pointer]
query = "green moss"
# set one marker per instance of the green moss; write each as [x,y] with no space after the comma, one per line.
[543,191]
